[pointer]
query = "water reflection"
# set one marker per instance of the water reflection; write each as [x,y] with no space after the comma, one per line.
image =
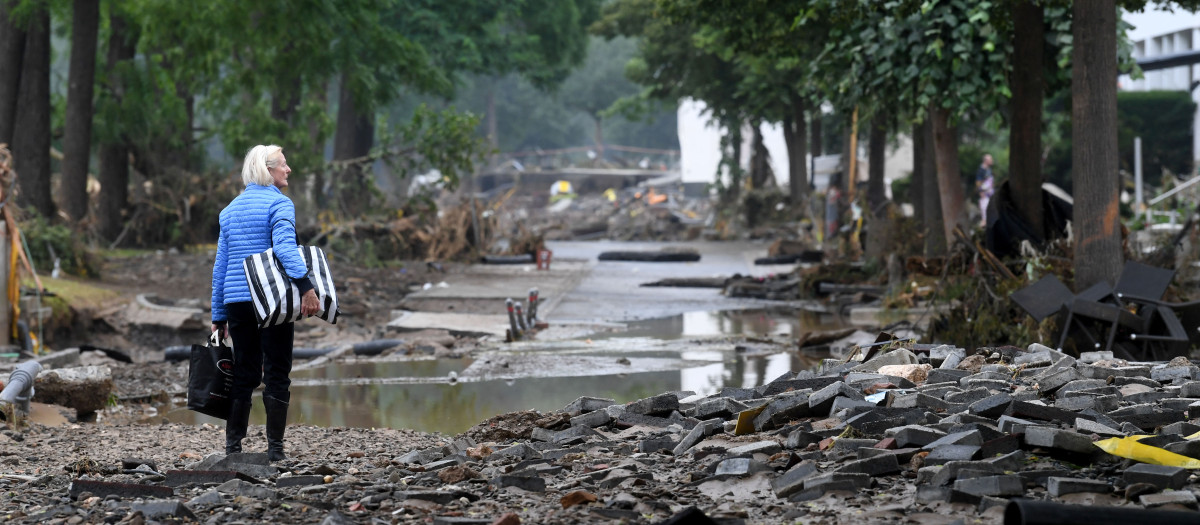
[454,407]
[755,322]
[418,395]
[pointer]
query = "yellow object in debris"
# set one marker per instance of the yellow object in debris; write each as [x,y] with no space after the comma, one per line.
[1130,448]
[1192,437]
[745,421]
[611,195]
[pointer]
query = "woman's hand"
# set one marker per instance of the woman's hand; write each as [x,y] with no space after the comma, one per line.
[309,305]
[219,328]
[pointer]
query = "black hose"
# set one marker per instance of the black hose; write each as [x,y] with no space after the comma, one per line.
[1034,512]
[366,348]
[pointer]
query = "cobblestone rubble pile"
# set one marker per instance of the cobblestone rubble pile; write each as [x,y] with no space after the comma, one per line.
[931,436]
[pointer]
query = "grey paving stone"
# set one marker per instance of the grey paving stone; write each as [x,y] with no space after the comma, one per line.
[949,472]
[1012,461]
[916,435]
[783,408]
[737,467]
[246,489]
[992,406]
[876,466]
[1174,374]
[971,395]
[654,406]
[1080,385]
[821,401]
[705,428]
[1029,410]
[857,479]
[942,375]
[767,447]
[968,437]
[1160,476]
[810,383]
[1060,486]
[530,483]
[1176,497]
[1003,485]
[587,404]
[157,509]
[946,453]
[1084,426]
[209,498]
[591,419]
[1059,439]
[792,481]
[722,407]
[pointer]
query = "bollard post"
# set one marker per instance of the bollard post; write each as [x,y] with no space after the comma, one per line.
[512,320]
[533,304]
[521,318]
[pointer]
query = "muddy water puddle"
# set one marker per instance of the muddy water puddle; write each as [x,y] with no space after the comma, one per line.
[451,395]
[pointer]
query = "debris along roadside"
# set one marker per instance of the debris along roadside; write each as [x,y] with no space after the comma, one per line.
[910,435]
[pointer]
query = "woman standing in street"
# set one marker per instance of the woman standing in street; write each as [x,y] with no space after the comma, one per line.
[261,217]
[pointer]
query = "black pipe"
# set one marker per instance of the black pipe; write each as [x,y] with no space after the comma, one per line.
[1034,512]
[365,348]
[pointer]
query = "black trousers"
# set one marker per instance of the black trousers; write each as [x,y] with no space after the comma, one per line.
[259,355]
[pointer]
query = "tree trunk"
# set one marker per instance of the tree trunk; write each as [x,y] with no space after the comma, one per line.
[817,147]
[355,135]
[795,134]
[1097,231]
[876,185]
[31,147]
[849,179]
[916,190]
[113,157]
[77,135]
[925,164]
[12,52]
[321,96]
[760,167]
[1025,138]
[950,187]
[735,159]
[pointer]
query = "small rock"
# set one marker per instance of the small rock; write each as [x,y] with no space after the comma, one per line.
[972,364]
[914,373]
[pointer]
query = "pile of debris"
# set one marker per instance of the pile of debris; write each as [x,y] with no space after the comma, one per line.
[621,215]
[905,435]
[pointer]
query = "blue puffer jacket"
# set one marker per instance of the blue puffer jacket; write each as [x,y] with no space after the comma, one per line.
[261,217]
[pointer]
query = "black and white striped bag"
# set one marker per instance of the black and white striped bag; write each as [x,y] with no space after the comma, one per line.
[276,297]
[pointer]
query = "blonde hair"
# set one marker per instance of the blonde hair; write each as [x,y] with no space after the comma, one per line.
[258,159]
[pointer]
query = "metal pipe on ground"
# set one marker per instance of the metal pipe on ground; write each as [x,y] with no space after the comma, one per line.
[19,389]
[365,348]
[1033,512]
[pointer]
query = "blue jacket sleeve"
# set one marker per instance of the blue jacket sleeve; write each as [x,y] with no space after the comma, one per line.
[283,240]
[218,279]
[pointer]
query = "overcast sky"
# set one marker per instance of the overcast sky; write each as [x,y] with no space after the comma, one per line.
[1153,22]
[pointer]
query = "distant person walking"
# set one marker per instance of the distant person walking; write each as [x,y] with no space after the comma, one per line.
[985,185]
[833,203]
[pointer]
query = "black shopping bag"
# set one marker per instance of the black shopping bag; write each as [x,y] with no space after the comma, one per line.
[210,378]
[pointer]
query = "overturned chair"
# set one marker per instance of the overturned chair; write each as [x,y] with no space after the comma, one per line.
[1125,319]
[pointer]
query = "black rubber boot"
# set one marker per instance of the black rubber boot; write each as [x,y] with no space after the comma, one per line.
[277,410]
[235,426]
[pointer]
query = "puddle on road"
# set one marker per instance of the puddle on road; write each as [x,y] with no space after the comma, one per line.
[419,395]
[751,323]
